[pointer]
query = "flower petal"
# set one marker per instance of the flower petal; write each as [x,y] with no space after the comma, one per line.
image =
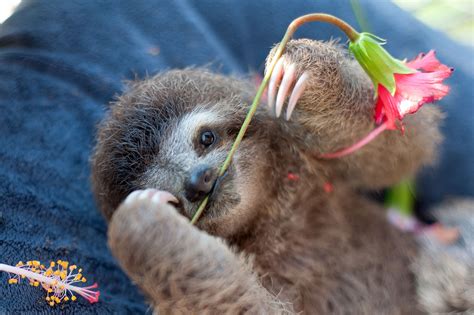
[379,112]
[418,86]
[428,63]
[390,106]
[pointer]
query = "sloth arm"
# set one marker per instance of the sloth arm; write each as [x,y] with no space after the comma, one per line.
[180,268]
[337,108]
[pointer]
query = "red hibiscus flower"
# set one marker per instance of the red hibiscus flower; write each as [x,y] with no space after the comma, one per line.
[412,90]
[401,87]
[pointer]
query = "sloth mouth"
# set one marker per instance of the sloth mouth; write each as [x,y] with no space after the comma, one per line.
[215,201]
[189,210]
[217,187]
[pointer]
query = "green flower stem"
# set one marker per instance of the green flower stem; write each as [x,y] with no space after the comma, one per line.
[402,197]
[295,24]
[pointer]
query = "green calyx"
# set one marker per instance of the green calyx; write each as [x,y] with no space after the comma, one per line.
[377,62]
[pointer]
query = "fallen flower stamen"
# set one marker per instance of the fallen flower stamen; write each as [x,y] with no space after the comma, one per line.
[58,283]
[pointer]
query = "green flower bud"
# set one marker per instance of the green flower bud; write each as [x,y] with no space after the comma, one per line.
[377,62]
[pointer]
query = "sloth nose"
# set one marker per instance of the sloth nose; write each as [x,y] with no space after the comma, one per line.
[199,183]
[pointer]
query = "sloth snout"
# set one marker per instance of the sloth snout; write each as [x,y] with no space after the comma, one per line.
[199,183]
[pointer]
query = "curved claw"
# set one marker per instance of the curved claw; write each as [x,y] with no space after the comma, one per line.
[163,197]
[274,81]
[156,196]
[132,196]
[288,79]
[296,94]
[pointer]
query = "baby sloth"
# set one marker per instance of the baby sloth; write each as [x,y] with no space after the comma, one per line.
[273,238]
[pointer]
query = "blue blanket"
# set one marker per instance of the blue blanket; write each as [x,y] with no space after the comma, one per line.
[61,62]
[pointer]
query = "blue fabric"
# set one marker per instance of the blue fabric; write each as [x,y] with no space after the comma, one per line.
[61,62]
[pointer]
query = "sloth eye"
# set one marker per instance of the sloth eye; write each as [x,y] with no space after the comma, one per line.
[207,138]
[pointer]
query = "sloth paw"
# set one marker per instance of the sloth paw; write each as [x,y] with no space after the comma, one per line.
[142,208]
[142,229]
[284,79]
[141,213]
[148,197]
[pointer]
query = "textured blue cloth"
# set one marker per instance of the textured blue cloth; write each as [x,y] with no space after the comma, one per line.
[61,62]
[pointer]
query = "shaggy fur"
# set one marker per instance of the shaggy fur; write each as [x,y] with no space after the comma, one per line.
[267,243]
[446,274]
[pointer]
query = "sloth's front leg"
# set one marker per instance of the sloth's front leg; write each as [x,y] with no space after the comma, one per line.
[180,268]
[321,88]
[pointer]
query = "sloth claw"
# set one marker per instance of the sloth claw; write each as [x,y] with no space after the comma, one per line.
[150,195]
[275,79]
[288,78]
[283,79]
[296,94]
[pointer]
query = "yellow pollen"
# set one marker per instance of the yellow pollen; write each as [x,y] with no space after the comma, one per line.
[52,264]
[73,298]
[78,276]
[12,281]
[36,283]
[47,298]
[48,272]
[20,263]
[66,299]
[84,279]
[72,267]
[51,303]
[50,290]
[64,264]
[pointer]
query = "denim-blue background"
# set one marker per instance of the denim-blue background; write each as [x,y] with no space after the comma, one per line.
[61,62]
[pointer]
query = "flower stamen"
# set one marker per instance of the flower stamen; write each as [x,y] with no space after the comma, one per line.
[57,280]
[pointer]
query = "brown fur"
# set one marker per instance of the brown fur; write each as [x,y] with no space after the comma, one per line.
[277,245]
[445,274]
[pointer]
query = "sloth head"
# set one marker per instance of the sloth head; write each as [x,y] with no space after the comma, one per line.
[173,132]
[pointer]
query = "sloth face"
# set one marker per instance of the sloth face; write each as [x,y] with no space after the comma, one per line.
[173,132]
[187,160]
